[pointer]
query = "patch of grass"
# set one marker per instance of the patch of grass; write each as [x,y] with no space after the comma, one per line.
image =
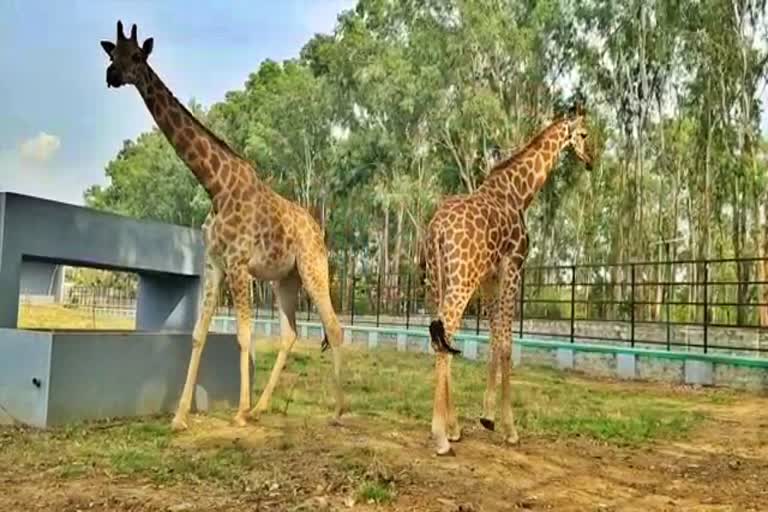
[51,316]
[131,461]
[395,387]
[391,385]
[375,492]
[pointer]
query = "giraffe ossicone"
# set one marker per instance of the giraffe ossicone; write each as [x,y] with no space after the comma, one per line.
[479,241]
[251,233]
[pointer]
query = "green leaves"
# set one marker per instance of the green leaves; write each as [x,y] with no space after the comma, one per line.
[406,101]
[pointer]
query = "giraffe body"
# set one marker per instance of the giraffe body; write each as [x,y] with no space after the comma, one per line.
[479,241]
[251,233]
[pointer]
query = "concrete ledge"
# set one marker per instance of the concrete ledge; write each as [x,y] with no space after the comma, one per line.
[593,359]
[564,358]
[626,367]
[699,373]
[53,378]
[373,339]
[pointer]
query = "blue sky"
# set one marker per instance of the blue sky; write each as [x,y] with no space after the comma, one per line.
[60,125]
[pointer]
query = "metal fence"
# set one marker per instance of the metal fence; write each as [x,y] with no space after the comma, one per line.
[710,305]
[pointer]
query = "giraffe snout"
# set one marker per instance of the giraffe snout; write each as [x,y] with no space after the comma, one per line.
[114,77]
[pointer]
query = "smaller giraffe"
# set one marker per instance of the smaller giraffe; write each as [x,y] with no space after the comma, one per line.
[251,233]
[479,241]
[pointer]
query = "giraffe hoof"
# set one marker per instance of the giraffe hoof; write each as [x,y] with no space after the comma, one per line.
[178,425]
[456,437]
[488,424]
[446,453]
[335,421]
[513,439]
[239,420]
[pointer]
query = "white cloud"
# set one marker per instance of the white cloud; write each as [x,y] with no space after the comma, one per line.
[40,148]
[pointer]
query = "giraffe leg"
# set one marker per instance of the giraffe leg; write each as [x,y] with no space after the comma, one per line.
[315,279]
[507,301]
[442,330]
[453,427]
[211,286]
[240,287]
[288,297]
[491,299]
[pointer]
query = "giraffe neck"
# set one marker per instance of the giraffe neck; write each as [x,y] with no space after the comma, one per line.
[518,178]
[215,165]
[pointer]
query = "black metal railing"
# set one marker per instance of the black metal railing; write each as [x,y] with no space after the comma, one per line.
[702,305]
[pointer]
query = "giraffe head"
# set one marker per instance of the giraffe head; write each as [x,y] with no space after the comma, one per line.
[127,58]
[578,135]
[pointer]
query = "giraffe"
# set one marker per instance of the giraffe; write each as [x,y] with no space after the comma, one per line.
[479,241]
[251,233]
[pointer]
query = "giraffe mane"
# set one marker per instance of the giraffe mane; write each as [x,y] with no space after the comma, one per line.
[223,145]
[536,139]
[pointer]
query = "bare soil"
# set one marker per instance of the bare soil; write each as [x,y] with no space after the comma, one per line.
[295,460]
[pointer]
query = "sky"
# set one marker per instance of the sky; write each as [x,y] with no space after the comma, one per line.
[60,125]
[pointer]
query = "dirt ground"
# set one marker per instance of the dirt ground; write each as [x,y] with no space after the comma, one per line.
[299,462]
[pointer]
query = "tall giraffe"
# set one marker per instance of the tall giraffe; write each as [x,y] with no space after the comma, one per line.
[479,240]
[251,233]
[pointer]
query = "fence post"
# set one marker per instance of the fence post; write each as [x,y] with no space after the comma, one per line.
[632,305]
[352,302]
[573,301]
[706,303]
[378,297]
[478,304]
[309,309]
[522,299]
[408,302]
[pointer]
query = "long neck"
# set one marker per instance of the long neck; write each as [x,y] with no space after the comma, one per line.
[518,178]
[216,166]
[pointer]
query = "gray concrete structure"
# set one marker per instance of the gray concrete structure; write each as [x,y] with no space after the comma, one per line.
[51,378]
[41,279]
[168,259]
[598,360]
[56,378]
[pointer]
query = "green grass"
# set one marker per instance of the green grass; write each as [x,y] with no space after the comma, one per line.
[393,387]
[375,492]
[386,384]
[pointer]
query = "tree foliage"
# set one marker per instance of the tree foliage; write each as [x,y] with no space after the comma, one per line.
[409,100]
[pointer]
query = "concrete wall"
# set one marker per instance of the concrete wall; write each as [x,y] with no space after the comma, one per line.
[42,231]
[25,358]
[101,375]
[41,279]
[53,378]
[598,360]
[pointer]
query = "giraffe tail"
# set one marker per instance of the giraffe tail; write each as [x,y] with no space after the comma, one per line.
[437,327]
[439,342]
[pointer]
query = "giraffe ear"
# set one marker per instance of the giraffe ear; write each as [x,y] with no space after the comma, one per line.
[108,46]
[147,46]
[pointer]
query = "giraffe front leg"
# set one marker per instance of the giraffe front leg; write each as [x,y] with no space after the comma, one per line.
[489,397]
[507,302]
[240,287]
[212,283]
[288,297]
[507,418]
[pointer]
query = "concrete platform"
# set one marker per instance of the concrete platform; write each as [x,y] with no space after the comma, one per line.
[54,378]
